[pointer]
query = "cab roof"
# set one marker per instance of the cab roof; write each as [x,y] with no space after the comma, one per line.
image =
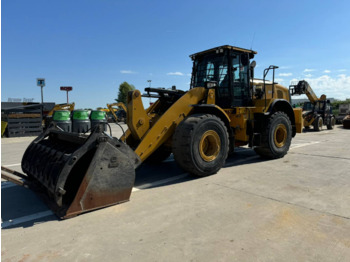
[219,48]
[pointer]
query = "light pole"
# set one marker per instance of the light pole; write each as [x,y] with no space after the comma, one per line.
[41,82]
[67,89]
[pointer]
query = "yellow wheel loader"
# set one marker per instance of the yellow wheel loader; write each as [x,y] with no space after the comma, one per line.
[224,108]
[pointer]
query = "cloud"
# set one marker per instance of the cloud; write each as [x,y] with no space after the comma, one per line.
[127,72]
[175,74]
[308,75]
[326,71]
[284,67]
[342,70]
[294,81]
[334,87]
[285,74]
[309,70]
[279,80]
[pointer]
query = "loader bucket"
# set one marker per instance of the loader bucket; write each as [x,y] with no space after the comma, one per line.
[76,173]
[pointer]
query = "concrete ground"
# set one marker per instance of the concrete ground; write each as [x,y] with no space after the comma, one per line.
[292,209]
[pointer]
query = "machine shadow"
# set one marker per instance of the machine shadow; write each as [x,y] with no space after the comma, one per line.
[341,126]
[18,202]
[243,156]
[152,175]
[165,171]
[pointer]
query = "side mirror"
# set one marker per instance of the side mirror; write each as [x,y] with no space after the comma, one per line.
[252,66]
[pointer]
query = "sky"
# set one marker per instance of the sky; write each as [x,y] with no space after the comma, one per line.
[95,45]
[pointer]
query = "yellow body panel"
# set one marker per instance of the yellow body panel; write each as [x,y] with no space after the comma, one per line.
[239,121]
[298,119]
[3,127]
[259,105]
[136,116]
[211,97]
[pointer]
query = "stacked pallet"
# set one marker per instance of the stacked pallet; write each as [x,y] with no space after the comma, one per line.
[24,120]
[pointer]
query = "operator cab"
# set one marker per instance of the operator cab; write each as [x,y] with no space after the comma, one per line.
[227,69]
[307,106]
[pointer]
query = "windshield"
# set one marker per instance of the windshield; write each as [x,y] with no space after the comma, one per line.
[307,106]
[210,68]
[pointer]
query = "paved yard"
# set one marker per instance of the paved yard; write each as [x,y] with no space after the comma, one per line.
[292,209]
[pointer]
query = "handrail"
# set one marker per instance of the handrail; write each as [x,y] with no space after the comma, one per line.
[266,71]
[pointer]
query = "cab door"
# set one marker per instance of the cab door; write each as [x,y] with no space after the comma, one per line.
[240,80]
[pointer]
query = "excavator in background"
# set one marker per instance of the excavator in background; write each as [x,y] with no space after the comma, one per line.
[317,112]
[225,108]
[48,117]
[120,114]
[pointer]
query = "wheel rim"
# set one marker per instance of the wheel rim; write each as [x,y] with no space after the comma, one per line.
[209,145]
[280,135]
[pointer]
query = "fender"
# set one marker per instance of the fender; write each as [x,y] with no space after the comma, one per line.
[212,109]
[284,106]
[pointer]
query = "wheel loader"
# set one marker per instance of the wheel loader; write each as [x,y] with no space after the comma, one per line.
[225,107]
[317,112]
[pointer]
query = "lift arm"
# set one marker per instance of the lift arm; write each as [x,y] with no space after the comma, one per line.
[65,106]
[302,88]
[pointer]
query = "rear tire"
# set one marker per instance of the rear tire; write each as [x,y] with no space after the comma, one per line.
[318,123]
[277,137]
[331,123]
[201,144]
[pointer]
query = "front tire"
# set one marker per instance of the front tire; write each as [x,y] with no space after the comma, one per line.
[201,144]
[277,137]
[318,123]
[331,123]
